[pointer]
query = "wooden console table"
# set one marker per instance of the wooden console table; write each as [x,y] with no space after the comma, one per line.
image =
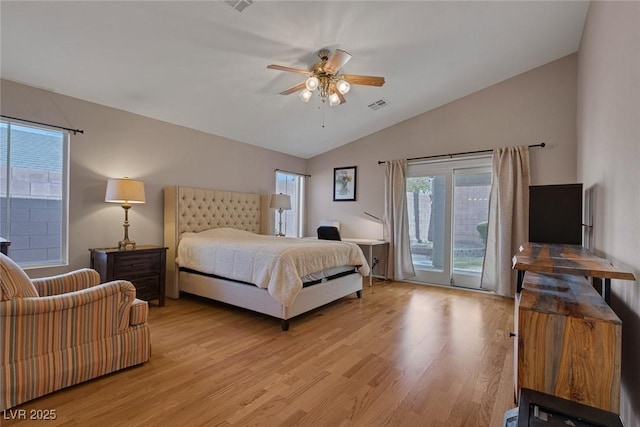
[568,341]
[567,259]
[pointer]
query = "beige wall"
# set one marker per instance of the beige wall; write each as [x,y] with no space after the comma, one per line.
[608,129]
[536,106]
[116,144]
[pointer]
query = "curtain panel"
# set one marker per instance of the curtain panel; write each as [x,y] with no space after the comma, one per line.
[396,221]
[508,218]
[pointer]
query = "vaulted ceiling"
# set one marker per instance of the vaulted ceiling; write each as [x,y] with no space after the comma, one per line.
[202,64]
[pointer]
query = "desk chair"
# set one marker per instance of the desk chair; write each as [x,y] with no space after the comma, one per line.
[326,232]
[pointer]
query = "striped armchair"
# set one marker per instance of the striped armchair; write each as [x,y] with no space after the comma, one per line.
[66,329]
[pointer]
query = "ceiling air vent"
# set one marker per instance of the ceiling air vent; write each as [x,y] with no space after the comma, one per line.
[239,5]
[378,104]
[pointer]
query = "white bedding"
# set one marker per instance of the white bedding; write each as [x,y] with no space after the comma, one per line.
[274,263]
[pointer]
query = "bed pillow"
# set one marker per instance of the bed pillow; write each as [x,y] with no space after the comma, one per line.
[14,282]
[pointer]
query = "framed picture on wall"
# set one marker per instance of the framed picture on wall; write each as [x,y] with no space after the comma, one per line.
[344,184]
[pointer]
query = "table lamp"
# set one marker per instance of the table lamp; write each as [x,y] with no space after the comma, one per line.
[126,192]
[281,202]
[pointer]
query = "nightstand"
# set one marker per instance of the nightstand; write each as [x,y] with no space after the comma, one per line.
[143,266]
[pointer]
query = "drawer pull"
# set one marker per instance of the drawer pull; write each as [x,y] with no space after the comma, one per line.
[511,335]
[140,265]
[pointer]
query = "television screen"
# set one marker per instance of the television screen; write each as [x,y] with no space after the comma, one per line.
[555,214]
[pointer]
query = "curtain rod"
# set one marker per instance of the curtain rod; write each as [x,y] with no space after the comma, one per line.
[542,144]
[75,131]
[293,173]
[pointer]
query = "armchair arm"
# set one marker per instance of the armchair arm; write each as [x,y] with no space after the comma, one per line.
[41,325]
[69,282]
[139,312]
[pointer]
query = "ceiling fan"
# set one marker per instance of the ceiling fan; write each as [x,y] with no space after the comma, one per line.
[325,77]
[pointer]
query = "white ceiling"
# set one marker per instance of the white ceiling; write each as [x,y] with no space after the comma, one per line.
[202,64]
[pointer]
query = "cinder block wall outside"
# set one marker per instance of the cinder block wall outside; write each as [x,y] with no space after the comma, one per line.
[35,209]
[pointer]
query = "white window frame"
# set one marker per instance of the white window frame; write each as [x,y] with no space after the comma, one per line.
[63,260]
[298,204]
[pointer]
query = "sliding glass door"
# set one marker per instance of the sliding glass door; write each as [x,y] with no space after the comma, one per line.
[448,210]
[429,206]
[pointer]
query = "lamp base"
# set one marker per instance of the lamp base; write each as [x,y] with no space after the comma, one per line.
[279,233]
[125,245]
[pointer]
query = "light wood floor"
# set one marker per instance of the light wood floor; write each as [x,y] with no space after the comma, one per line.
[403,355]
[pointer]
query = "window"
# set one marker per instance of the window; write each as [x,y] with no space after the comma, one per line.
[33,193]
[292,220]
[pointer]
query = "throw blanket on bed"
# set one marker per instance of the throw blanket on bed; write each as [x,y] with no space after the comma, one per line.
[274,263]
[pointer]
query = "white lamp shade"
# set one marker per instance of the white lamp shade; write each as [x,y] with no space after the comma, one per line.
[280,201]
[305,95]
[334,99]
[124,190]
[312,83]
[343,86]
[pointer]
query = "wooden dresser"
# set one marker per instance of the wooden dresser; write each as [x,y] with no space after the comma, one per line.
[568,341]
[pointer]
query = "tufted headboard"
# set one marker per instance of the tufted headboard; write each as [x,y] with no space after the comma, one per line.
[197,209]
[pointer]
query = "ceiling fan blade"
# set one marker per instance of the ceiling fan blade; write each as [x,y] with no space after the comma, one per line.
[337,61]
[341,96]
[363,80]
[289,69]
[293,89]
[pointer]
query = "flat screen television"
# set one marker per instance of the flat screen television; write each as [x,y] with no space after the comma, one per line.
[555,214]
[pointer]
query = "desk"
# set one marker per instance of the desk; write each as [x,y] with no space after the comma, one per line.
[367,247]
[567,259]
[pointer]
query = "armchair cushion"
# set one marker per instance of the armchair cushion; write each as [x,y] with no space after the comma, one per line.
[68,282]
[14,282]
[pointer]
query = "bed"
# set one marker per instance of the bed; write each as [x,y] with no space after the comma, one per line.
[193,212]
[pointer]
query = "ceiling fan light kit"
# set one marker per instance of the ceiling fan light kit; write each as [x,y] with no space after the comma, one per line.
[325,78]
